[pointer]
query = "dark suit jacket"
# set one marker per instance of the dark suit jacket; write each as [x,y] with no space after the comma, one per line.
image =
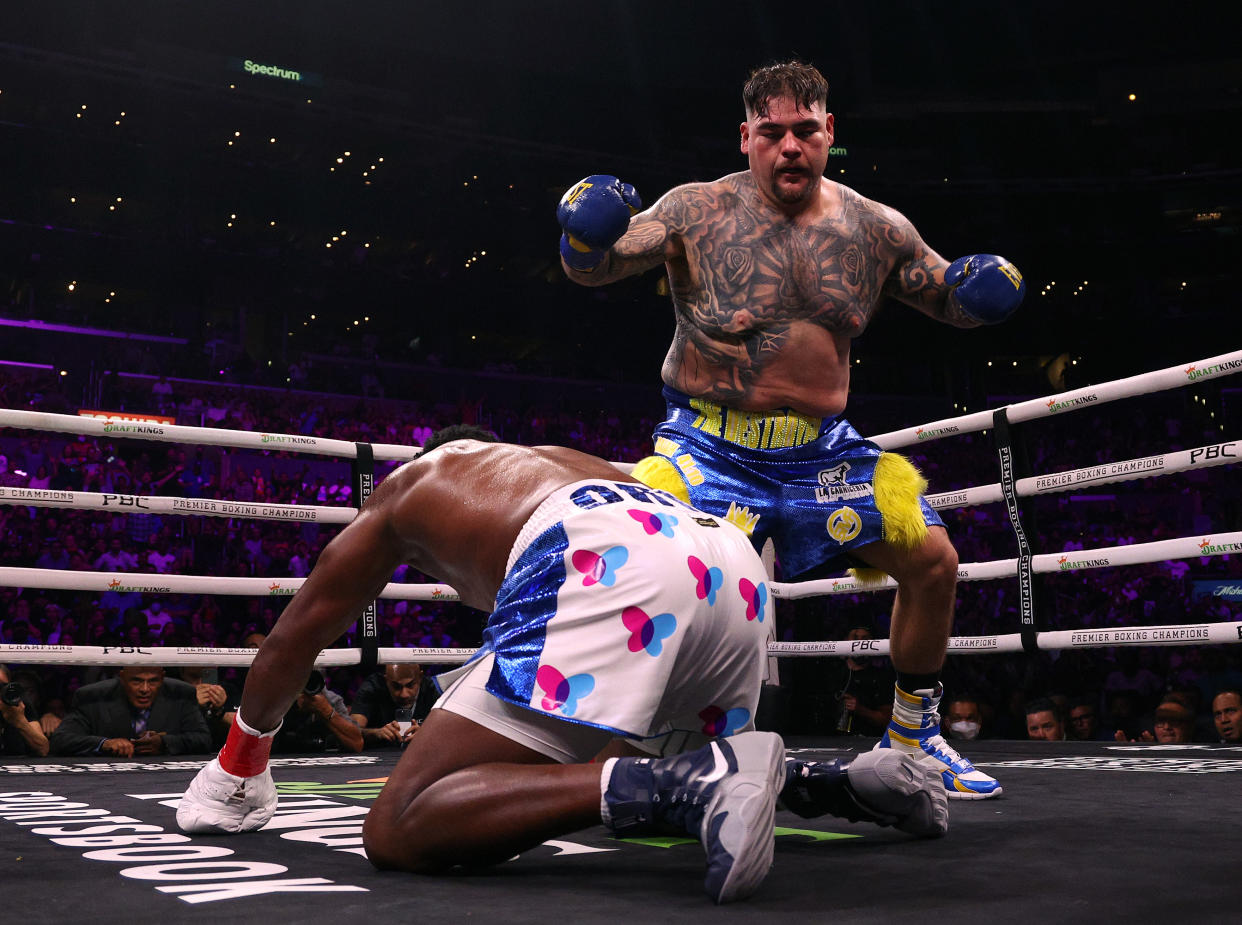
[101,711]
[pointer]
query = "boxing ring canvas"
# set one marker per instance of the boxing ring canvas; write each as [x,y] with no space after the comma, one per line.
[1085,832]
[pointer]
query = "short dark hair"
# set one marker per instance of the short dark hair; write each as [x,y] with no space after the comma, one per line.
[793,78]
[458,432]
[1042,704]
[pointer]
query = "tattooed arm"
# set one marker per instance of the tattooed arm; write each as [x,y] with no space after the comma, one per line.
[917,277]
[647,244]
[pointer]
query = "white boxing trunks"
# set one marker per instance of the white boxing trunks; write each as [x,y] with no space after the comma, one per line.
[624,612]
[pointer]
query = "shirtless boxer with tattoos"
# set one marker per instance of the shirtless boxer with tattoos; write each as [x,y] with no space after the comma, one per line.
[773,271]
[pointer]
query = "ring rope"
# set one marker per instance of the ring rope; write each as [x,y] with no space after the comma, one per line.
[126,504]
[210,436]
[226,586]
[1225,364]
[1203,457]
[1143,384]
[222,585]
[1188,547]
[176,656]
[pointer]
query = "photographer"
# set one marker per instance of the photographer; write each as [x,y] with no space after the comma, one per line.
[20,733]
[317,720]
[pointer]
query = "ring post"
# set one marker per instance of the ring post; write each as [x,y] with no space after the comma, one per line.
[363,467]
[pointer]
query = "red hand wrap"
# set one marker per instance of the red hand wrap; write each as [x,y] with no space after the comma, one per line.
[245,754]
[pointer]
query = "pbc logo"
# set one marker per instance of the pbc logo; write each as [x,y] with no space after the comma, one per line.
[1219,451]
[863,645]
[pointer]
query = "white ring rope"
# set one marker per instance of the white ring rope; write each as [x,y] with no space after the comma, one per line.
[1188,547]
[132,504]
[1203,457]
[1143,384]
[225,586]
[210,436]
[173,656]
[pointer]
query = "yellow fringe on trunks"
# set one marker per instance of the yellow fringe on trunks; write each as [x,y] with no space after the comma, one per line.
[658,472]
[898,487]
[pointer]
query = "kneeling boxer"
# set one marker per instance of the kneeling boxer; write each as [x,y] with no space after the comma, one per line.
[617,611]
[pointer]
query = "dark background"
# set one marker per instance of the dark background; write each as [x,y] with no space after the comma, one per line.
[1000,128]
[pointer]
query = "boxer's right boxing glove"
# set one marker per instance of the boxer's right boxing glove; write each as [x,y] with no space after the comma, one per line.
[594,213]
[235,791]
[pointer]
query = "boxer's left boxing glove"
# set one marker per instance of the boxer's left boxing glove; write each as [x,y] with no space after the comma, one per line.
[235,791]
[594,213]
[987,288]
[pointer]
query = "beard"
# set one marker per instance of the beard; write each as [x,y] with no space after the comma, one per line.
[792,195]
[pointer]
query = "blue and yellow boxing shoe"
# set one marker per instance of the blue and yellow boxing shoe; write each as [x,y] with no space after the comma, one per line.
[915,730]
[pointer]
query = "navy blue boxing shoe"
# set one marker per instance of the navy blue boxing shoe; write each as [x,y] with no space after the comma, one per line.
[723,793]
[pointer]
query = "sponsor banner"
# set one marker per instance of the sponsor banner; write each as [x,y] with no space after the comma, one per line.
[1225,590]
[126,416]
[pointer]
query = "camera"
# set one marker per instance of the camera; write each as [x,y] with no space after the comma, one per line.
[11,694]
[314,684]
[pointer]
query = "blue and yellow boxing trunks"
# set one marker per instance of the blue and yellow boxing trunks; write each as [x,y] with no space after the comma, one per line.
[815,486]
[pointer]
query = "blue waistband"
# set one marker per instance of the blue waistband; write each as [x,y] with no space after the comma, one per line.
[757,430]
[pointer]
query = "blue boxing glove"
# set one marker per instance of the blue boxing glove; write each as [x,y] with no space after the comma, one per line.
[987,289]
[594,213]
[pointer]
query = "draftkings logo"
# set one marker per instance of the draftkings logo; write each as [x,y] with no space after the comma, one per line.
[276,589]
[1208,548]
[930,433]
[1193,373]
[1066,564]
[115,585]
[1054,406]
[284,438]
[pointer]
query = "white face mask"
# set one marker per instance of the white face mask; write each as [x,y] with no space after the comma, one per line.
[965,729]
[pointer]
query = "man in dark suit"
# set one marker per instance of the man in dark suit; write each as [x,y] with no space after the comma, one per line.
[139,712]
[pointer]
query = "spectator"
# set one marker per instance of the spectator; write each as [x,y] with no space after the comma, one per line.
[20,731]
[137,713]
[1044,721]
[158,619]
[54,556]
[1227,715]
[1084,720]
[1175,723]
[379,697]
[117,558]
[217,702]
[962,719]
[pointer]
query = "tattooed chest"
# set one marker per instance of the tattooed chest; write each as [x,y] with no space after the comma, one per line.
[741,280]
